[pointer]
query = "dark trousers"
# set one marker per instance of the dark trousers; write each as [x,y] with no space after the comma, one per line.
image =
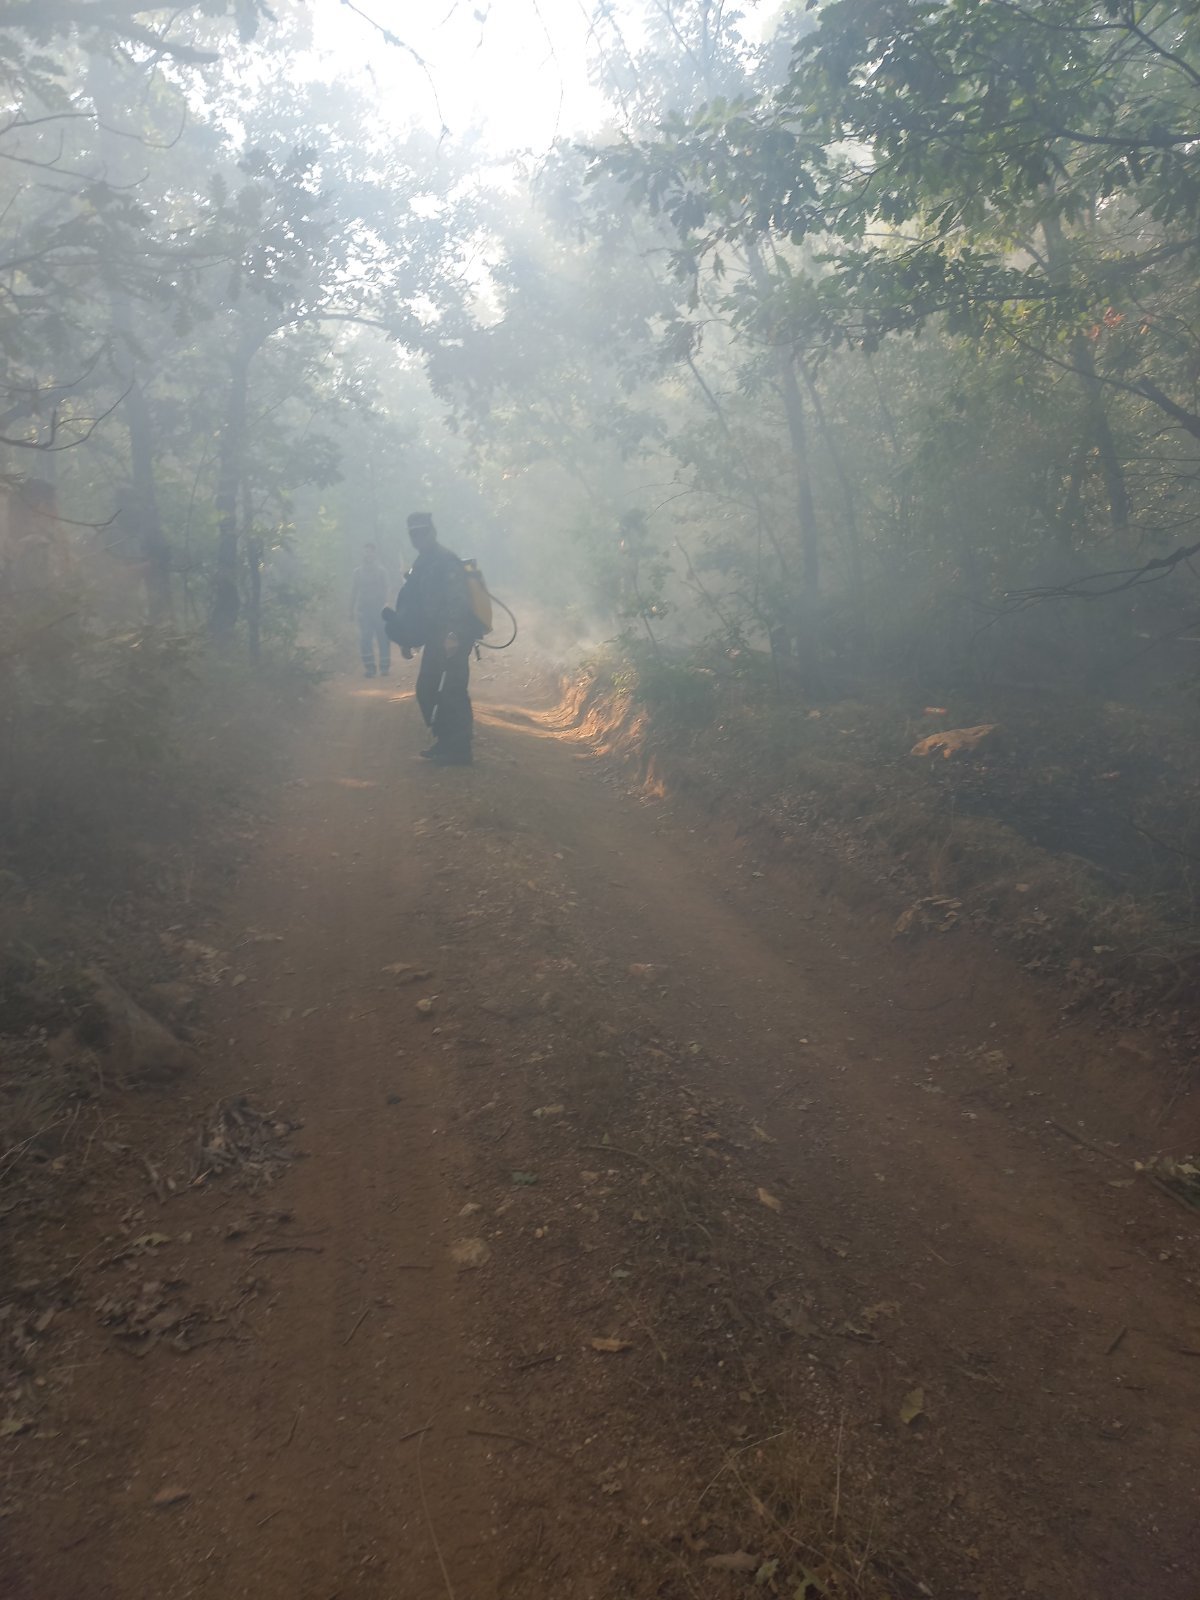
[446,705]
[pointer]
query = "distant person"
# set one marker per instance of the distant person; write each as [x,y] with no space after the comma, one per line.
[368,596]
[435,607]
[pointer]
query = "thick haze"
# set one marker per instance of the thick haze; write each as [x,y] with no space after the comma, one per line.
[820,387]
[825,363]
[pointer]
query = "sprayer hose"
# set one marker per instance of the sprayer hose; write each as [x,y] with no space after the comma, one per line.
[511,618]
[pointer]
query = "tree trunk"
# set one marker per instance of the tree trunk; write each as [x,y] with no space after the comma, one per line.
[156,553]
[1101,436]
[901,494]
[793,409]
[858,584]
[806,515]
[231,455]
[807,652]
[254,553]
[254,560]
[142,509]
[1070,512]
[1083,357]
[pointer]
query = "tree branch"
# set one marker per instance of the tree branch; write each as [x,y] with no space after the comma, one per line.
[1131,578]
[48,446]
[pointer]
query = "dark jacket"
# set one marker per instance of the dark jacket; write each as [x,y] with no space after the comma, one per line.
[436,598]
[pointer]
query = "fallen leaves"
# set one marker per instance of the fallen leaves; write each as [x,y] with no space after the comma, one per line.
[238,1136]
[912,1406]
[935,912]
[1181,1177]
[469,1253]
[208,964]
[810,1587]
[610,1347]
[735,1561]
[141,1246]
[172,1495]
[766,1198]
[882,1308]
[139,1320]
[954,741]
[406,972]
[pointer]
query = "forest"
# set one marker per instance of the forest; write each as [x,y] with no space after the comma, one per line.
[822,392]
[857,357]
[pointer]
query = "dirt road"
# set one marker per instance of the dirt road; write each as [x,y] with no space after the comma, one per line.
[692,1237]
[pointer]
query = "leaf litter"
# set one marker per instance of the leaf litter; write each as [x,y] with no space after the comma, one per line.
[153,1312]
[172,1495]
[954,741]
[1181,1177]
[735,1561]
[406,972]
[912,1406]
[236,1136]
[936,913]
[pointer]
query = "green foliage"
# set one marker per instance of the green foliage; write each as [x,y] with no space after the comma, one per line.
[680,693]
[89,732]
[923,152]
[115,742]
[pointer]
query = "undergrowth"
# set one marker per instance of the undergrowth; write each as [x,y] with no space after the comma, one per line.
[1073,831]
[111,741]
[127,759]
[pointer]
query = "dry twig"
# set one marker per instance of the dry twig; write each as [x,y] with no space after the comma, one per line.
[428,1518]
[362,1317]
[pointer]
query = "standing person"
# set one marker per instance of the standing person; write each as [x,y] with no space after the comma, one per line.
[436,596]
[368,596]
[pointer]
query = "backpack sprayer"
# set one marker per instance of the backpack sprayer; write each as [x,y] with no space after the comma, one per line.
[406,630]
[482,602]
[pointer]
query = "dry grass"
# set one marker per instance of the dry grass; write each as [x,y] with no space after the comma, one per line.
[805,1505]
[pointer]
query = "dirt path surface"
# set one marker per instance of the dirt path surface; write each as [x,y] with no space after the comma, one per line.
[654,1225]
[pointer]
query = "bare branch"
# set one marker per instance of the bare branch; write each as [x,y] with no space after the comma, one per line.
[400,44]
[49,447]
[1130,578]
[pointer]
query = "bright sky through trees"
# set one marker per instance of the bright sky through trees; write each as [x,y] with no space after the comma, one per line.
[516,70]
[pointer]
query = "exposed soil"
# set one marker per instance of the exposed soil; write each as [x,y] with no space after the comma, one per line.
[873,1320]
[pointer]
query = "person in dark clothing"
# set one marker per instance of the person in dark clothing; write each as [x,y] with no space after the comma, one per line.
[436,594]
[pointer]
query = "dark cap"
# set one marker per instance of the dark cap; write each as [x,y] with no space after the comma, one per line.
[420,519]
